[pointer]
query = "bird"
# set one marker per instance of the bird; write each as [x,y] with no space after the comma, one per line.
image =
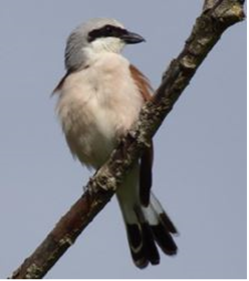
[98,101]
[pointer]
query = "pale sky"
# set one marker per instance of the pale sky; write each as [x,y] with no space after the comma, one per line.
[200,150]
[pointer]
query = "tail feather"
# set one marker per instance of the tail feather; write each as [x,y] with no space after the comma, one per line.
[163,217]
[147,241]
[146,227]
[138,253]
[163,228]
[166,221]
[151,251]
[164,240]
[152,228]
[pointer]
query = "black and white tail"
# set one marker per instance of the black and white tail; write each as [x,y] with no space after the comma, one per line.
[146,227]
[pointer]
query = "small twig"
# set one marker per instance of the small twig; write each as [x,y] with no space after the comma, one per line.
[217,16]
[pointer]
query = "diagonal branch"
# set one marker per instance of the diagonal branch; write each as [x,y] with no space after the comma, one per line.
[216,17]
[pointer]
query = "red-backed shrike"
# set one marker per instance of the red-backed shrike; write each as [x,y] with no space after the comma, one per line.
[99,100]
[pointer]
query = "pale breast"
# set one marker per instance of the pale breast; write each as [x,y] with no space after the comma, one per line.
[96,106]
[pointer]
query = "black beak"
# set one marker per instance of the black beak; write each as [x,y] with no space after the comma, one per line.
[132,38]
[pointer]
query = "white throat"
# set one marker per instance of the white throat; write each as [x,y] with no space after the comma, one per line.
[103,46]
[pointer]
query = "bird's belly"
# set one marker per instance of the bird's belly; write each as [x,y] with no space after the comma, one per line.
[99,138]
[95,129]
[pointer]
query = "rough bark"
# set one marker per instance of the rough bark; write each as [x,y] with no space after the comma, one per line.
[217,16]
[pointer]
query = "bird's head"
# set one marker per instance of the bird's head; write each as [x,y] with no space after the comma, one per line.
[97,36]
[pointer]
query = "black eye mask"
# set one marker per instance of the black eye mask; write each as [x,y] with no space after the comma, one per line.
[106,31]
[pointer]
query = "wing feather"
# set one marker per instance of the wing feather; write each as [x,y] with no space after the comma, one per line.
[146,163]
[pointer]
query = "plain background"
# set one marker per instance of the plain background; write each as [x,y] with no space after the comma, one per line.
[200,158]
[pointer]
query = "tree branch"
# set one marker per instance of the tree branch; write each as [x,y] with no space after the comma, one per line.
[216,17]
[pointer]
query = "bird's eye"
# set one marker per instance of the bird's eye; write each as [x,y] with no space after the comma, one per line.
[108,30]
